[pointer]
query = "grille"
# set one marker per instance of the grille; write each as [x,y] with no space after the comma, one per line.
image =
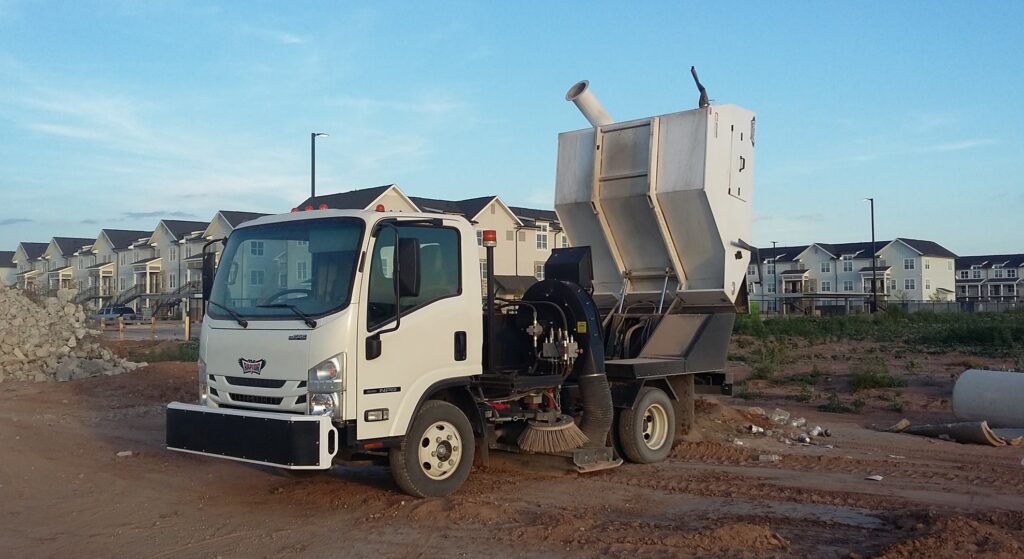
[257,382]
[214,391]
[250,399]
[301,399]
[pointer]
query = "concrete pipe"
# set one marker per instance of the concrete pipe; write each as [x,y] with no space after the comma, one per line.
[588,104]
[993,396]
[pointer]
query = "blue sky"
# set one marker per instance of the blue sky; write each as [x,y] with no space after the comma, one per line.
[115,114]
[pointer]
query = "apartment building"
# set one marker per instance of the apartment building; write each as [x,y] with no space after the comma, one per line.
[61,263]
[992,277]
[8,269]
[30,265]
[844,276]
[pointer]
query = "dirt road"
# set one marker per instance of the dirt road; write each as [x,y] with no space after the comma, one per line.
[64,491]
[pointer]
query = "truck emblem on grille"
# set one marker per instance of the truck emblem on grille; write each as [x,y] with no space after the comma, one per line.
[252,366]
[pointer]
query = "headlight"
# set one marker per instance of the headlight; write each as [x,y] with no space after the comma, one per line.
[329,376]
[322,404]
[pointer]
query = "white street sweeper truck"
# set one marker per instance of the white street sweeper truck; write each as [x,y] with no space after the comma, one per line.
[334,335]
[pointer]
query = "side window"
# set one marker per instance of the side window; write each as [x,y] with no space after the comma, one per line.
[439,269]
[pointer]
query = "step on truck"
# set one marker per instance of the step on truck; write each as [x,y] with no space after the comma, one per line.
[334,335]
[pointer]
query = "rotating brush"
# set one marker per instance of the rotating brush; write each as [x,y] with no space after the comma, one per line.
[552,437]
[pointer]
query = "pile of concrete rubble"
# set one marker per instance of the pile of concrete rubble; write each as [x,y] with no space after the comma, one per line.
[49,340]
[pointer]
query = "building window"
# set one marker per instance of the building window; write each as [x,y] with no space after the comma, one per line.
[256,248]
[826,267]
[538,270]
[892,285]
[847,262]
[964,274]
[927,264]
[751,270]
[927,284]
[483,268]
[172,254]
[848,285]
[565,241]
[510,235]
[542,237]
[908,263]
[282,279]
[771,266]
[826,286]
[771,288]
[301,271]
[909,284]
[121,283]
[1011,273]
[998,272]
[170,281]
[256,277]
[479,238]
[976,273]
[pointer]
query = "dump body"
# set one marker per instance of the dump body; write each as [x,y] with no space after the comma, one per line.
[664,203]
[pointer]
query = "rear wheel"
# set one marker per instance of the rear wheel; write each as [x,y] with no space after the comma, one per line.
[648,429]
[436,455]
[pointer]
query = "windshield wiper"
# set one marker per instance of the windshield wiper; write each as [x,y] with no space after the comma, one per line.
[305,317]
[234,314]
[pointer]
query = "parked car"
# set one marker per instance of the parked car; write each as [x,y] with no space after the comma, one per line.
[110,314]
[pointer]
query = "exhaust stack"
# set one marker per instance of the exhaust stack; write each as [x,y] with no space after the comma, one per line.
[588,104]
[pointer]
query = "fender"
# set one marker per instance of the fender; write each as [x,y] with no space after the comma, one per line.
[456,391]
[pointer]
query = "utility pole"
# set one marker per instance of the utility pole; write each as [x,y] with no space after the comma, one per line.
[775,275]
[874,260]
[312,164]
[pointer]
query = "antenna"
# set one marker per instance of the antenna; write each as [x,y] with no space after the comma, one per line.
[703,92]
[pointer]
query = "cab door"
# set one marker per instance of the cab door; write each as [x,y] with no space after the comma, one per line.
[429,344]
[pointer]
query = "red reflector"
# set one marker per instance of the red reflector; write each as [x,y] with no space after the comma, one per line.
[295,210]
[380,207]
[374,445]
[308,208]
[323,206]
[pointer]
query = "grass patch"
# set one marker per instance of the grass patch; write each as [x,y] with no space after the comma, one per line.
[835,404]
[747,394]
[873,373]
[185,351]
[766,359]
[805,395]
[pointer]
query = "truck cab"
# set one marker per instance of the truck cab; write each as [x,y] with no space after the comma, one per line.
[302,332]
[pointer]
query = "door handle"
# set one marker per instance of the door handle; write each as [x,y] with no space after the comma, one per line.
[460,345]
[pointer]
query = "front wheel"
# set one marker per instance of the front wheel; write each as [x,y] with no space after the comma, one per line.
[436,455]
[648,429]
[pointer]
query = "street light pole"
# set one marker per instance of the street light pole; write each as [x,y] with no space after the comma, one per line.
[312,164]
[874,260]
[775,275]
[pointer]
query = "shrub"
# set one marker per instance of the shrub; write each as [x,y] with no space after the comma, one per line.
[873,373]
[836,405]
[185,351]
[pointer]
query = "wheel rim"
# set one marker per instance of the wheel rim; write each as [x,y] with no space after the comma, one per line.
[655,427]
[440,450]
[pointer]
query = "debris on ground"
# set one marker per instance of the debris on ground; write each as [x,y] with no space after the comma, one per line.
[899,426]
[124,454]
[49,340]
[874,478]
[974,432]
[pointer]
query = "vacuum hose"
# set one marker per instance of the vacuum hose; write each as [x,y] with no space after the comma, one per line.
[596,397]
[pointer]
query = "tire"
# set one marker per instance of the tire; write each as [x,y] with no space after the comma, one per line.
[648,429]
[439,428]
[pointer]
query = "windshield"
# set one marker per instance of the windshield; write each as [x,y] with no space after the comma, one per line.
[307,264]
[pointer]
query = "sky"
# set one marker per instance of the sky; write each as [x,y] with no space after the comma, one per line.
[117,114]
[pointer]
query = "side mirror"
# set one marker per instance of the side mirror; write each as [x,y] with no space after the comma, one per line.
[408,267]
[373,347]
[209,267]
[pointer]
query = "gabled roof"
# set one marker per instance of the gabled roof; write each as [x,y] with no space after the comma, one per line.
[33,250]
[989,260]
[237,218]
[927,248]
[69,245]
[180,228]
[530,216]
[782,254]
[123,238]
[6,258]
[858,250]
[469,208]
[351,200]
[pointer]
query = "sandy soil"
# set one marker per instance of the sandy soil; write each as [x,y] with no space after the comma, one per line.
[64,491]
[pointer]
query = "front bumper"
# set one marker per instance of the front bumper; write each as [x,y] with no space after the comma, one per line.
[297,442]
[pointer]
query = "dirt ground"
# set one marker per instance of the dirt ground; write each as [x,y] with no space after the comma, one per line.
[65,491]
